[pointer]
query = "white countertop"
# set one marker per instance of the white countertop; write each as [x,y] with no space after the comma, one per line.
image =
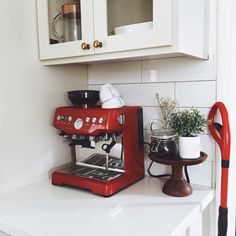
[42,209]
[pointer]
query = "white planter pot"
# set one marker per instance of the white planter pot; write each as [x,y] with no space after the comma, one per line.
[189,147]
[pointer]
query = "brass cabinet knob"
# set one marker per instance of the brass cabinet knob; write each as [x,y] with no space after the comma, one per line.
[97,44]
[85,46]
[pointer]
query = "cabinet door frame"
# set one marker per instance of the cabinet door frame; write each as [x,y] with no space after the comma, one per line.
[68,49]
[159,36]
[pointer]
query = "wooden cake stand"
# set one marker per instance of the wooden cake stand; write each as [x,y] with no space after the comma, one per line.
[177,186]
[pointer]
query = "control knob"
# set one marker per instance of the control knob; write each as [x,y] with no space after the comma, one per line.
[100,120]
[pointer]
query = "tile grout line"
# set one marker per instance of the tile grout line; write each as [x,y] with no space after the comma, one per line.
[88,76]
[175,91]
[152,106]
[141,75]
[161,82]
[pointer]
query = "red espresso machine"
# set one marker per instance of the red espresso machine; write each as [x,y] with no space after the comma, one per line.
[112,139]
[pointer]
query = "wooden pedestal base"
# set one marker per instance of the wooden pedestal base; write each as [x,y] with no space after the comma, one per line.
[177,186]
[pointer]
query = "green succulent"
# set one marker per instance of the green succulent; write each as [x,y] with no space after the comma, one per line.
[188,123]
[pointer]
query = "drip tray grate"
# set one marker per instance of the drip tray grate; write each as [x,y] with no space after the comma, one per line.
[100,160]
[95,173]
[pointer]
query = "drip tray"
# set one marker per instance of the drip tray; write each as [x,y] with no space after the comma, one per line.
[94,173]
[100,160]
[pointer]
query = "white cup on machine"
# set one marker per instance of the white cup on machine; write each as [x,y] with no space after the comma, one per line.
[110,97]
[113,103]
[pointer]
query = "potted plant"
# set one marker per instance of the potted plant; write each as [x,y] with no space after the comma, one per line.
[188,123]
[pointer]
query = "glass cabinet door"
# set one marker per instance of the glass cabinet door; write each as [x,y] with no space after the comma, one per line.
[65,28]
[131,24]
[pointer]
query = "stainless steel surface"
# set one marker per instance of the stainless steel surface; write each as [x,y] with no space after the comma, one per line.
[99,167]
[94,167]
[99,161]
[107,160]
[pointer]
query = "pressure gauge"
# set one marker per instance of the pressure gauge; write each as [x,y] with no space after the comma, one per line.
[78,123]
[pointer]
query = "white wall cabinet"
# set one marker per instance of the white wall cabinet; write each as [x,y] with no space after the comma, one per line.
[179,27]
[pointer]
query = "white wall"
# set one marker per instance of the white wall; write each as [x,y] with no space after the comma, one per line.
[191,82]
[29,93]
[226,80]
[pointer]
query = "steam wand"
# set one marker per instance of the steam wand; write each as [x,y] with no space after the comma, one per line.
[107,148]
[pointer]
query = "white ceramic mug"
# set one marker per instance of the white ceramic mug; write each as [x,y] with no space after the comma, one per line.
[107,92]
[113,103]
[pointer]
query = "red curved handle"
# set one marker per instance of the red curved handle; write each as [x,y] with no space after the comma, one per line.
[213,130]
[222,137]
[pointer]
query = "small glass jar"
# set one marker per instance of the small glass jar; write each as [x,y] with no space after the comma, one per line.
[164,142]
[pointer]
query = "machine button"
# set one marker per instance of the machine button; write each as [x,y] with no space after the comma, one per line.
[94,119]
[58,117]
[87,119]
[78,123]
[63,118]
[69,118]
[100,120]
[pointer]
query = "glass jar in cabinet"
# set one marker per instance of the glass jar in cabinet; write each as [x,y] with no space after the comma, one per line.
[65,28]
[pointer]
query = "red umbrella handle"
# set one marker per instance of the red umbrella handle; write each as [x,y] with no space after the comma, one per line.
[221,134]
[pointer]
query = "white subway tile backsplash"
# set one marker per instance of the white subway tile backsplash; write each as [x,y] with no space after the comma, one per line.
[190,82]
[201,174]
[196,94]
[149,114]
[94,87]
[144,94]
[121,73]
[208,146]
[157,169]
[177,69]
